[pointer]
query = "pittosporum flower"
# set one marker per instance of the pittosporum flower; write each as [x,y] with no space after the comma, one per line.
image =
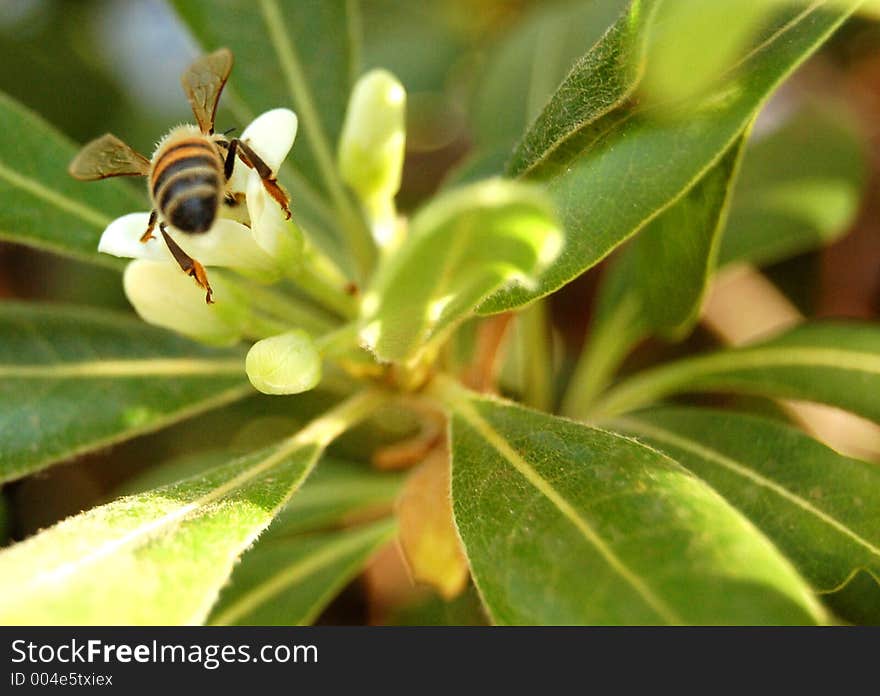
[256,241]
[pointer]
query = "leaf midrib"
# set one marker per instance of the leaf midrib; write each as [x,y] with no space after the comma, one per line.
[653,384]
[652,431]
[467,411]
[148,530]
[58,200]
[94,369]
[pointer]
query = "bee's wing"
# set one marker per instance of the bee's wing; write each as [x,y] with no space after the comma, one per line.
[108,156]
[203,82]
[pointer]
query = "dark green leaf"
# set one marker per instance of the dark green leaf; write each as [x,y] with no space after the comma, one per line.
[74,380]
[799,188]
[43,206]
[817,506]
[288,581]
[591,146]
[566,524]
[832,363]
[159,557]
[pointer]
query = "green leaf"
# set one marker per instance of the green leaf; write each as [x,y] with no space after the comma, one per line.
[528,64]
[858,601]
[43,206]
[289,581]
[297,53]
[566,524]
[599,82]
[828,362]
[461,247]
[590,144]
[159,557]
[817,506]
[799,188]
[656,284]
[338,491]
[74,380]
[675,254]
[717,34]
[464,610]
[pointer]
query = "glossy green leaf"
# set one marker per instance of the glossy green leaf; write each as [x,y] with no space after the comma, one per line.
[800,188]
[461,247]
[589,145]
[528,64]
[43,206]
[817,506]
[289,581]
[74,380]
[834,363]
[566,524]
[159,557]
[301,54]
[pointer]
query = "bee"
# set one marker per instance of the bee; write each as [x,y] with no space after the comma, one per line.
[189,170]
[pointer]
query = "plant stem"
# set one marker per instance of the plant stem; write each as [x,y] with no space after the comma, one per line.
[535,354]
[606,347]
[358,236]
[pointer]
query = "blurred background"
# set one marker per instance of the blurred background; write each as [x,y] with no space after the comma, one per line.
[90,66]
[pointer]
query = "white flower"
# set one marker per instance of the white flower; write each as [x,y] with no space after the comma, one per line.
[262,250]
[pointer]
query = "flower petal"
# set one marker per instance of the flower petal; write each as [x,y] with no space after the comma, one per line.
[230,244]
[275,235]
[164,295]
[122,238]
[227,243]
[271,136]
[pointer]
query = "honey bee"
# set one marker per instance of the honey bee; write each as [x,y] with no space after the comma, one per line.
[189,170]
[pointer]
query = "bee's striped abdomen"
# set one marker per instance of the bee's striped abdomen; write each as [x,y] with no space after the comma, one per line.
[186,184]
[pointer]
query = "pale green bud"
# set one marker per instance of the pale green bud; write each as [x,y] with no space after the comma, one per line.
[285,364]
[371,147]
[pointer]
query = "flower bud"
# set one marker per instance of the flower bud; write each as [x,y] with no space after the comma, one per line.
[164,295]
[285,364]
[371,147]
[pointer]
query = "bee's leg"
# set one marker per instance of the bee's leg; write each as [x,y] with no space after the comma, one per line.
[189,265]
[148,235]
[229,163]
[252,160]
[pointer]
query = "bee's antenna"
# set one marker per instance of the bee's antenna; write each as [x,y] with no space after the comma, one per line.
[229,130]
